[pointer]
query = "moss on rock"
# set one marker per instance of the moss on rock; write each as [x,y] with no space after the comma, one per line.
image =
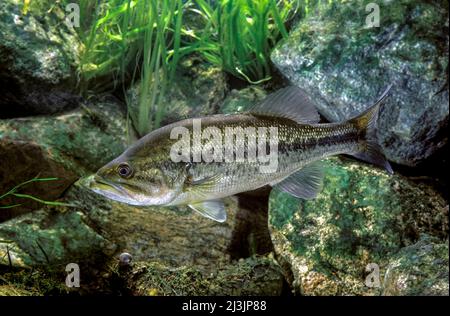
[39,56]
[241,100]
[251,276]
[362,216]
[419,269]
[65,146]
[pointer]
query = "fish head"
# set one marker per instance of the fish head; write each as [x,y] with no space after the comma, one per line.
[139,180]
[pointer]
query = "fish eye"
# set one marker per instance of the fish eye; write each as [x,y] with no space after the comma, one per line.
[125,170]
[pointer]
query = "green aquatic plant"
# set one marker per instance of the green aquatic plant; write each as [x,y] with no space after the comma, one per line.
[240,34]
[14,192]
[130,41]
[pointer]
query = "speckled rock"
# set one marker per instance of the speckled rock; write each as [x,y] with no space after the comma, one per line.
[419,269]
[11,290]
[49,237]
[345,66]
[39,55]
[65,146]
[198,89]
[241,100]
[362,216]
[252,276]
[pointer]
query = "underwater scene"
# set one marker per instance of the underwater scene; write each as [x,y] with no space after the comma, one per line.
[224,148]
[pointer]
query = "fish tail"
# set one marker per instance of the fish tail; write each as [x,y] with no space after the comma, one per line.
[366,123]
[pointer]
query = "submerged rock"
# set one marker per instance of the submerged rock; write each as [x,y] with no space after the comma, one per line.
[362,216]
[345,66]
[419,269]
[39,55]
[242,100]
[11,290]
[49,237]
[65,146]
[252,276]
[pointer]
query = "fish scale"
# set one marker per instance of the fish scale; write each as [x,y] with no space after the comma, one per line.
[298,145]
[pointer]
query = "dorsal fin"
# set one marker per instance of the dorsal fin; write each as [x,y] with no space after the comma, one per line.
[291,103]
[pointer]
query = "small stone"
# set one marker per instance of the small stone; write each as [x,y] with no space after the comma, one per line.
[125,259]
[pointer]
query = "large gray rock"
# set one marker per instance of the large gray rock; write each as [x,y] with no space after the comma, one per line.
[362,216]
[39,55]
[345,66]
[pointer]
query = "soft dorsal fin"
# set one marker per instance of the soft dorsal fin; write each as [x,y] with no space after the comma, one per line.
[291,103]
[305,183]
[212,209]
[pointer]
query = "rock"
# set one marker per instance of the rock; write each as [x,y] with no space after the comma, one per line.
[11,290]
[39,55]
[198,90]
[419,269]
[242,100]
[362,216]
[252,276]
[32,282]
[49,237]
[65,146]
[345,66]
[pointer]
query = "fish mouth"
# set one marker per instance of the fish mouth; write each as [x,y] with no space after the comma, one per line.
[100,180]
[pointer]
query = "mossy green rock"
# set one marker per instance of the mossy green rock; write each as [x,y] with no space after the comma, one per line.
[65,146]
[49,237]
[251,276]
[419,269]
[345,66]
[361,216]
[39,56]
[242,100]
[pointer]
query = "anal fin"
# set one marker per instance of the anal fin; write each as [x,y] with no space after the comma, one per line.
[305,183]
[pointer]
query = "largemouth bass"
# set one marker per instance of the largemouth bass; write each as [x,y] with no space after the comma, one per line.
[196,162]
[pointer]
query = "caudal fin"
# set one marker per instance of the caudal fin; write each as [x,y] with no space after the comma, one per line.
[366,123]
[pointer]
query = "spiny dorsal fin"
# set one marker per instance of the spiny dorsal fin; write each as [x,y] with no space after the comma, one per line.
[291,103]
[305,183]
[212,209]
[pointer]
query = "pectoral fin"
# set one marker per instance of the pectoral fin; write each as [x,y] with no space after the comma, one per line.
[200,185]
[305,183]
[213,209]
